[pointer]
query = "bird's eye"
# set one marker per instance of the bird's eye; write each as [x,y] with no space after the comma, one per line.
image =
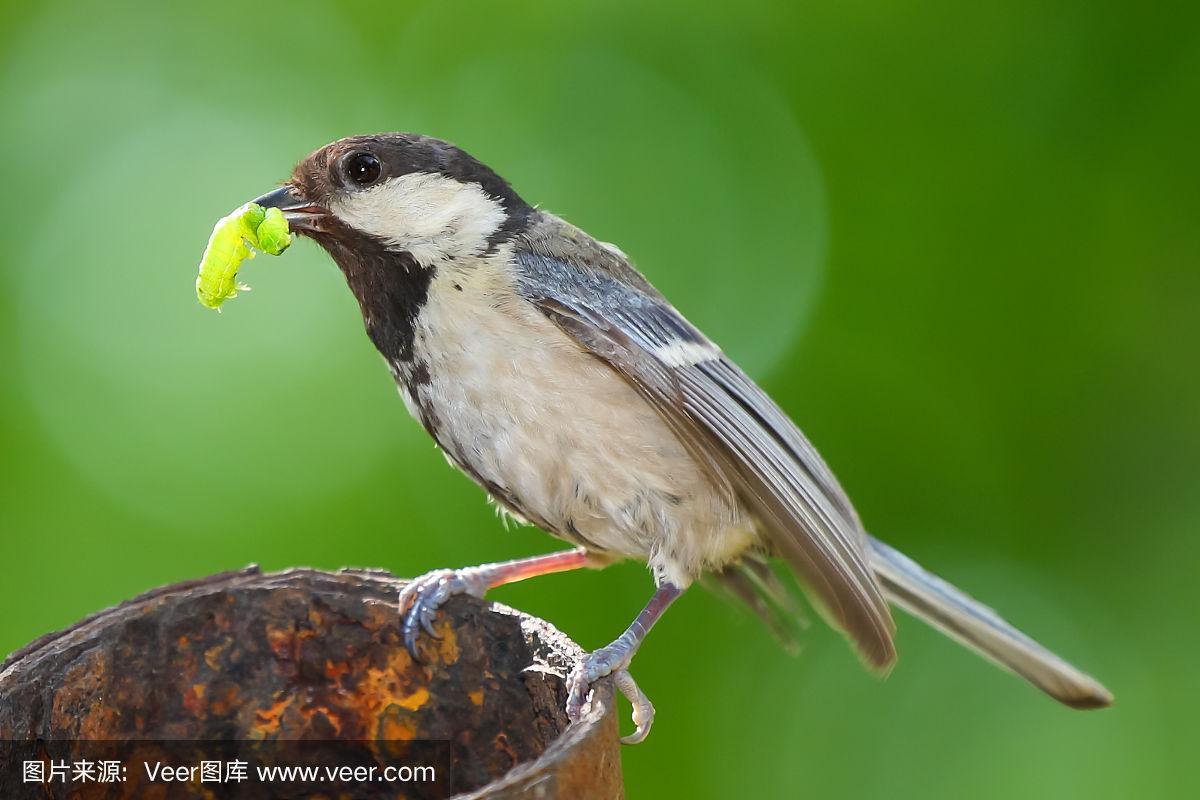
[362,169]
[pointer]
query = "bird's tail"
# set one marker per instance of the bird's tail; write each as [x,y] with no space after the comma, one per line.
[963,618]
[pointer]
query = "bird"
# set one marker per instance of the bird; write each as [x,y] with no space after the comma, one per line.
[550,371]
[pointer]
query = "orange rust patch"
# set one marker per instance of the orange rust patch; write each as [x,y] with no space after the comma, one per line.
[78,701]
[415,700]
[280,640]
[315,617]
[334,670]
[448,644]
[193,699]
[476,697]
[396,728]
[267,720]
[385,687]
[213,654]
[285,643]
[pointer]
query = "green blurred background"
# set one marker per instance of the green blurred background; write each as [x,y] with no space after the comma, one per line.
[957,242]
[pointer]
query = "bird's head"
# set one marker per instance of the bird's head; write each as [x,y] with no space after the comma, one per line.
[403,193]
[392,210]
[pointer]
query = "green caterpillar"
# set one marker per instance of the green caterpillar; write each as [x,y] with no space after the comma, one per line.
[249,226]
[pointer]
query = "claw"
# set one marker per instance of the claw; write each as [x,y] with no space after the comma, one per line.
[612,660]
[578,693]
[424,595]
[643,709]
[427,623]
[410,644]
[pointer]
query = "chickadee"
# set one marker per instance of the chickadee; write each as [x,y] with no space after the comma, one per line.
[550,371]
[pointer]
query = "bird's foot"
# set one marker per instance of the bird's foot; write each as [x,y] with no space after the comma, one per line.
[612,660]
[420,599]
[423,595]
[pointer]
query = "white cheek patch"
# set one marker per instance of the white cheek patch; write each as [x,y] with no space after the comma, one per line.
[430,216]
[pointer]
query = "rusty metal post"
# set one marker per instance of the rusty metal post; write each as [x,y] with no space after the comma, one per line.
[264,660]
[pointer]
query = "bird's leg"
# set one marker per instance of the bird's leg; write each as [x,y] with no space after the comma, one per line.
[421,597]
[613,659]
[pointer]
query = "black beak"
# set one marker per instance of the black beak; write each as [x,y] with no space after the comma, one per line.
[300,212]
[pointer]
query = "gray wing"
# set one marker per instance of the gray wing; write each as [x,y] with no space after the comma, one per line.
[726,421]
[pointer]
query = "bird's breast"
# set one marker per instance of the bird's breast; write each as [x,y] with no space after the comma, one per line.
[555,434]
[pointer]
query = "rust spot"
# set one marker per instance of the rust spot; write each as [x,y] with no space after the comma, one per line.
[448,644]
[335,670]
[213,654]
[380,689]
[415,700]
[393,726]
[286,643]
[267,720]
[280,642]
[193,699]
[476,697]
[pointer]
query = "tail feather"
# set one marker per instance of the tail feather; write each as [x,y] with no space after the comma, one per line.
[963,618]
[752,582]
